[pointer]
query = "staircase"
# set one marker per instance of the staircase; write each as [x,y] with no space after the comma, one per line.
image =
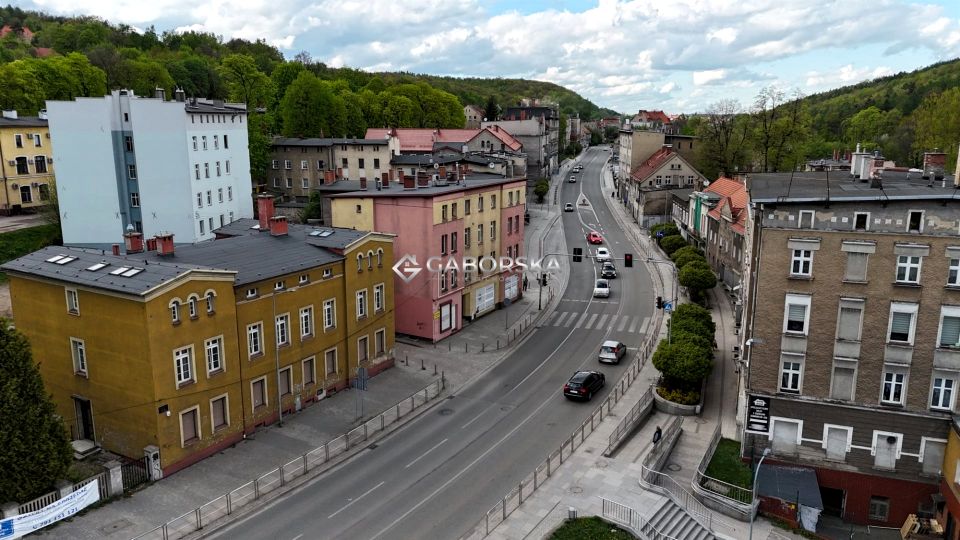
[671,521]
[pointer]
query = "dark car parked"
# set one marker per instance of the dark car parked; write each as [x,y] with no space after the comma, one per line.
[583,385]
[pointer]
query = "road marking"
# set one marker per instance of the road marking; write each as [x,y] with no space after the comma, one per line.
[425,453]
[601,321]
[560,319]
[633,325]
[646,323]
[580,322]
[474,419]
[570,321]
[613,321]
[297,537]
[623,323]
[369,491]
[592,318]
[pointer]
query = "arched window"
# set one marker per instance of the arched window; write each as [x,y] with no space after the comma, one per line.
[359,262]
[380,258]
[175,311]
[369,260]
[192,304]
[210,296]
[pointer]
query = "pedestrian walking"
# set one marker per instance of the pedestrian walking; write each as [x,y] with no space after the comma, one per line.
[526,283]
[657,435]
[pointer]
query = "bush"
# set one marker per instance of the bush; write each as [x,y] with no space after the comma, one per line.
[668,229]
[669,244]
[686,258]
[697,339]
[697,276]
[696,313]
[682,362]
[683,397]
[541,190]
[686,250]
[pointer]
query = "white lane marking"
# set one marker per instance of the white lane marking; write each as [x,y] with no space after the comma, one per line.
[570,321]
[613,321]
[423,455]
[646,323]
[474,419]
[592,318]
[633,325]
[602,320]
[560,319]
[369,491]
[297,537]
[623,323]
[580,322]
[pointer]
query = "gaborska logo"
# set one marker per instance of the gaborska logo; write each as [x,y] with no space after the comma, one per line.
[408,268]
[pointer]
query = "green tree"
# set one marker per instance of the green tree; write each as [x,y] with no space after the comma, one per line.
[34,450]
[781,129]
[259,145]
[306,108]
[682,362]
[697,276]
[698,314]
[669,244]
[245,83]
[541,189]
[937,123]
[668,229]
[491,111]
[283,76]
[685,251]
[724,133]
[314,208]
[20,89]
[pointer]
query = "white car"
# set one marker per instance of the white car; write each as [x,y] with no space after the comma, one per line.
[603,254]
[572,180]
[601,289]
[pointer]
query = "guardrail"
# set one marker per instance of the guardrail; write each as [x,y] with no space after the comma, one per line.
[630,422]
[630,519]
[734,501]
[660,482]
[312,461]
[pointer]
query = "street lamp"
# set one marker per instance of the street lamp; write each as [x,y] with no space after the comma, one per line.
[673,301]
[756,473]
[276,350]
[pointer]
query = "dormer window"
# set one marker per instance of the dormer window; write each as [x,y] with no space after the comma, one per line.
[279,286]
[252,292]
[210,296]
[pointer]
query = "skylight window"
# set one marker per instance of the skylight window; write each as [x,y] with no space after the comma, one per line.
[322,233]
[65,260]
[132,272]
[96,267]
[55,258]
[120,271]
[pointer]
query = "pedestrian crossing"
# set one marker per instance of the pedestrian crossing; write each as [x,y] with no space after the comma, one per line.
[598,321]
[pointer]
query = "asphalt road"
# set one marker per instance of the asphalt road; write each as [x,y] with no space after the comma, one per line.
[438,475]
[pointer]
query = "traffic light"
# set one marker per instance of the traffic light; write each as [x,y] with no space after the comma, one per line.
[628,260]
[543,280]
[659,302]
[577,254]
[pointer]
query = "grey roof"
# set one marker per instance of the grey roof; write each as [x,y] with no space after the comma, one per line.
[338,237]
[471,181]
[839,186]
[213,107]
[790,484]
[23,121]
[316,141]
[340,186]
[153,270]
[682,194]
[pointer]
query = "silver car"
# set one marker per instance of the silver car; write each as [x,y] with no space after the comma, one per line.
[611,352]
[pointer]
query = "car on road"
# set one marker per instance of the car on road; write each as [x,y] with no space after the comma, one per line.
[611,352]
[603,254]
[583,385]
[572,180]
[568,207]
[594,237]
[601,289]
[578,168]
[608,271]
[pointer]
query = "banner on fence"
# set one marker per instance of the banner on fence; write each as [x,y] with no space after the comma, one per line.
[18,526]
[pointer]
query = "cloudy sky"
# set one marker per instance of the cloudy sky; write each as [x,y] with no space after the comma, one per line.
[676,55]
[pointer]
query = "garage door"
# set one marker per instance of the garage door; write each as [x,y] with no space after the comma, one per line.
[511,287]
[486,298]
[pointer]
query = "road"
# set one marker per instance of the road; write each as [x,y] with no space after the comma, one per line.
[438,475]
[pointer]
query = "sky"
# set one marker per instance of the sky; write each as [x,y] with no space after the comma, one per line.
[675,55]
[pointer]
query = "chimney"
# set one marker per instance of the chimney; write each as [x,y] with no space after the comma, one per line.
[409,182]
[160,93]
[42,114]
[329,178]
[385,180]
[339,173]
[264,210]
[165,244]
[278,226]
[443,172]
[363,184]
[133,242]
[180,95]
[10,115]
[423,180]
[934,164]
[151,244]
[116,249]
[392,177]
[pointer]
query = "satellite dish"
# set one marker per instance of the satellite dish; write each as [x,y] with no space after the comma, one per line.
[436,165]
[492,165]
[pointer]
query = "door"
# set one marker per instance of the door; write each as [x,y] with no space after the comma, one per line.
[833,500]
[510,287]
[485,298]
[84,419]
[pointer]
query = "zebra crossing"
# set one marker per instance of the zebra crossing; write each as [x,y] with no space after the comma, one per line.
[598,321]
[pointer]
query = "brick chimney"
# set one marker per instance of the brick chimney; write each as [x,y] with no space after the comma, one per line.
[934,163]
[363,184]
[264,210]
[393,177]
[423,180]
[384,180]
[409,182]
[443,172]
[133,242]
[278,226]
[165,244]
[329,178]
[115,249]
[151,244]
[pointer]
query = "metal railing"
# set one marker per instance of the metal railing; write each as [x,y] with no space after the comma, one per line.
[630,421]
[661,451]
[311,461]
[631,520]
[660,482]
[739,498]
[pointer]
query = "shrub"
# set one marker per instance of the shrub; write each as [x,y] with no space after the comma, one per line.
[683,397]
[668,229]
[685,336]
[541,190]
[697,313]
[682,362]
[686,258]
[697,276]
[686,250]
[669,244]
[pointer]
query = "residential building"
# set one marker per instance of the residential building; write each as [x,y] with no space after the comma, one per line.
[724,231]
[852,338]
[634,146]
[463,214]
[475,115]
[651,121]
[420,141]
[26,163]
[646,192]
[156,166]
[537,127]
[949,515]
[186,349]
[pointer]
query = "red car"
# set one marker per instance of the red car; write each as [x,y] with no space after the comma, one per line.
[594,238]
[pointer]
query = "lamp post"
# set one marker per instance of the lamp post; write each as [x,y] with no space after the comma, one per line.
[756,473]
[674,291]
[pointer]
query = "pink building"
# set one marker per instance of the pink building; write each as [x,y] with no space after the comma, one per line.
[440,226]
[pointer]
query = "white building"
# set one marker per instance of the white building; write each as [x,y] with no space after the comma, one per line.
[180,167]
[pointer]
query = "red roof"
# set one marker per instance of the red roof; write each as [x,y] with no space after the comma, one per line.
[43,52]
[733,194]
[506,138]
[652,164]
[423,139]
[653,116]
[25,33]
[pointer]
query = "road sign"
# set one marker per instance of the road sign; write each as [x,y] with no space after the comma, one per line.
[668,306]
[436,315]
[659,234]
[363,378]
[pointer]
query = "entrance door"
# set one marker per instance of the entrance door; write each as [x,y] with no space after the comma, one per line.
[84,418]
[485,298]
[833,500]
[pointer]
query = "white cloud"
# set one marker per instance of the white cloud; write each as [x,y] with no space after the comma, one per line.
[667,88]
[845,75]
[701,78]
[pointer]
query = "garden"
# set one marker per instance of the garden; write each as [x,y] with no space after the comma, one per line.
[592,528]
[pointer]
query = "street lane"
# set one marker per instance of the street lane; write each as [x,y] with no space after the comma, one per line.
[438,475]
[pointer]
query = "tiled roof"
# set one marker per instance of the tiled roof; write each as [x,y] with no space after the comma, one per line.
[422,139]
[505,137]
[652,164]
[652,116]
[732,194]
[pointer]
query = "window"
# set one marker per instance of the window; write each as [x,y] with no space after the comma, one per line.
[194,138]
[466,207]
[480,234]
[360,164]
[369,260]
[135,199]
[132,172]
[258,392]
[79,352]
[453,210]
[283,329]
[276,164]
[790,372]
[214,350]
[210,305]
[931,452]
[894,382]
[44,192]
[849,320]
[255,339]
[796,314]
[218,168]
[192,307]
[73,302]
[361,304]
[806,219]
[443,244]
[953,274]
[36,139]
[252,292]
[305,183]
[303,278]
[836,441]
[949,327]
[196,171]
[942,394]
[309,371]
[183,365]
[343,161]
[879,508]
[286,382]
[206,170]
[493,201]
[915,221]
[18,140]
[376,162]
[204,139]
[330,361]
[175,311]
[480,203]
[861,221]
[801,262]
[219,412]
[466,237]
[908,269]
[493,230]
[378,298]
[329,314]
[226,145]
[216,142]
[443,281]
[189,427]
[902,322]
[40,164]
[510,199]
[363,349]
[856,266]
[379,258]
[453,242]
[380,342]
[453,277]
[230,196]
[443,213]
[226,165]
[359,209]
[306,321]
[279,286]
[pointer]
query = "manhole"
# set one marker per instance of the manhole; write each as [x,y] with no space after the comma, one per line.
[588,451]
[674,467]
[576,489]
[699,420]
[451,397]
[445,412]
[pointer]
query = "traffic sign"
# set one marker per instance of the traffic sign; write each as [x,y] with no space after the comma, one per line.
[659,234]
[668,306]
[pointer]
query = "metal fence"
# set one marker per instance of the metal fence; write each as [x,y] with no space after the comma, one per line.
[134,472]
[311,461]
[630,421]
[103,479]
[739,498]
[631,520]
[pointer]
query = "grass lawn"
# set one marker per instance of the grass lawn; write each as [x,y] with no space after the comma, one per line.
[18,243]
[726,465]
[590,528]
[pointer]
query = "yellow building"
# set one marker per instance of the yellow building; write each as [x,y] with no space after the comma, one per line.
[26,163]
[949,515]
[187,349]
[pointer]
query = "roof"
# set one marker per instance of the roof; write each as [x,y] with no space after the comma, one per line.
[733,195]
[314,141]
[141,275]
[337,238]
[422,139]
[471,181]
[505,137]
[652,116]
[791,484]
[23,121]
[653,163]
[25,33]
[427,160]
[213,106]
[817,186]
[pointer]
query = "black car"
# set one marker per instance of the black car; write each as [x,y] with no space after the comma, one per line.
[609,271]
[583,385]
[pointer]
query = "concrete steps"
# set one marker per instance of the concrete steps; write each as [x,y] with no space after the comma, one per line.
[673,521]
